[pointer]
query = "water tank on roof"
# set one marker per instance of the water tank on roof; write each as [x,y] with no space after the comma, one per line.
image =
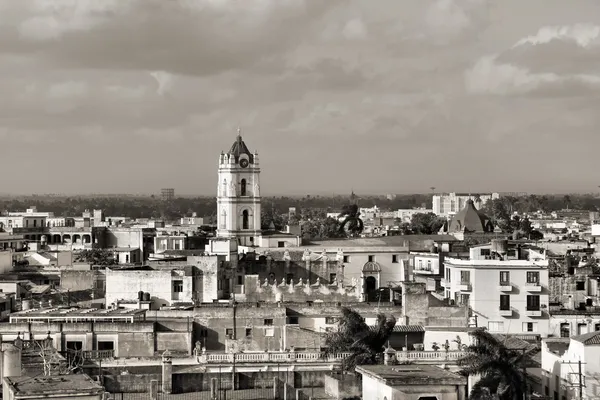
[146,296]
[500,246]
[141,295]
[11,360]
[26,305]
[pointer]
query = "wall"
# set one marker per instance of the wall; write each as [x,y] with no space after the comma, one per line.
[208,268]
[123,237]
[6,264]
[125,285]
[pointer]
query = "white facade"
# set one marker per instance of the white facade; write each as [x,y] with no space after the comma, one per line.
[506,296]
[562,375]
[238,196]
[451,203]
[596,230]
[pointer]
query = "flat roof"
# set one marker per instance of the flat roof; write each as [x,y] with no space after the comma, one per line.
[404,375]
[77,384]
[75,312]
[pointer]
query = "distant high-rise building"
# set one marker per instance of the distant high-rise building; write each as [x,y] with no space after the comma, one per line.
[167,194]
[451,203]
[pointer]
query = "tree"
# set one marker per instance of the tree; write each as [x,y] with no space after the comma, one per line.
[501,369]
[53,362]
[270,219]
[352,224]
[364,343]
[426,223]
[96,257]
[321,228]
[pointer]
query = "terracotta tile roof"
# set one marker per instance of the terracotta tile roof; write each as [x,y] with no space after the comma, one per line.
[404,328]
[588,339]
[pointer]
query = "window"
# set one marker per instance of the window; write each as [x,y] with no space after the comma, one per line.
[330,320]
[533,277]
[229,332]
[533,302]
[565,330]
[597,327]
[464,299]
[288,278]
[177,286]
[371,258]
[465,276]
[240,280]
[505,302]
[293,320]
[485,252]
[35,223]
[496,326]
[332,278]
[177,245]
[530,326]
[504,278]
[105,345]
[126,258]
[511,253]
[346,259]
[245,220]
[580,285]
[270,332]
[448,275]
[395,258]
[268,321]
[280,244]
[243,188]
[248,332]
[420,264]
[428,265]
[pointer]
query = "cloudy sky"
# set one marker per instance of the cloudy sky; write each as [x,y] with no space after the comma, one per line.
[376,95]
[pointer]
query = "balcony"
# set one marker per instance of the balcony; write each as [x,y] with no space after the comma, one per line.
[424,271]
[505,287]
[464,286]
[533,287]
[505,312]
[445,283]
[533,312]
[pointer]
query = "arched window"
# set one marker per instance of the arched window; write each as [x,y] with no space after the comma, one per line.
[243,187]
[245,219]
[224,188]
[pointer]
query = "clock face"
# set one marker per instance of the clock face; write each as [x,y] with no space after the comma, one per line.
[244,163]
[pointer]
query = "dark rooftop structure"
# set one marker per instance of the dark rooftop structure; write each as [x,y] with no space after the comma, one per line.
[64,386]
[239,147]
[589,339]
[404,375]
[471,220]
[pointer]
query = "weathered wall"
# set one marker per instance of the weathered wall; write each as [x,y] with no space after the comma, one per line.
[174,341]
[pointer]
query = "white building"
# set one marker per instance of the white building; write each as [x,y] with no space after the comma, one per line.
[238,195]
[507,288]
[571,367]
[451,203]
[406,214]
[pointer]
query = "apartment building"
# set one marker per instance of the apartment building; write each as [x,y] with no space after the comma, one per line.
[505,285]
[451,203]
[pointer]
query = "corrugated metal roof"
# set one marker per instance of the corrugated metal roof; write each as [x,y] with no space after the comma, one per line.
[405,328]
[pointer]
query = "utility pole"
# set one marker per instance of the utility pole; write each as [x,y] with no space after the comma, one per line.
[580,378]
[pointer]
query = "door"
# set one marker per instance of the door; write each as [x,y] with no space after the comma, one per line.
[370,288]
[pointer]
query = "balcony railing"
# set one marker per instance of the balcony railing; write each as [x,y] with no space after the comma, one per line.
[505,286]
[97,354]
[533,287]
[464,286]
[277,357]
[430,355]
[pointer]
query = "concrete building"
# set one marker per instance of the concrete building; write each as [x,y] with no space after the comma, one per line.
[167,194]
[62,387]
[100,333]
[571,367]
[400,382]
[450,203]
[238,194]
[507,288]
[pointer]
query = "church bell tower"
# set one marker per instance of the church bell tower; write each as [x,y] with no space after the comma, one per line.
[238,194]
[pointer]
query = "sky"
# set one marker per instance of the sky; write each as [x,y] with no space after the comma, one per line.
[385,96]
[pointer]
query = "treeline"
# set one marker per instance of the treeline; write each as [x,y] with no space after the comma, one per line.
[308,207]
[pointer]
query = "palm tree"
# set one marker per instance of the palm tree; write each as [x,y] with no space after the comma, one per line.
[502,370]
[353,335]
[352,224]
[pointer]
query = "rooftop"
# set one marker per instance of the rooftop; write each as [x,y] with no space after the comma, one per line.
[495,263]
[403,375]
[45,386]
[385,241]
[75,313]
[588,339]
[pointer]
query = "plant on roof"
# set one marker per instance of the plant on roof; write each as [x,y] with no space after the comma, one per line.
[364,343]
[352,224]
[501,369]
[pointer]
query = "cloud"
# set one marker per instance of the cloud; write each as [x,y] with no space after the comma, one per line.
[355,29]
[584,35]
[164,81]
[489,77]
[67,89]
